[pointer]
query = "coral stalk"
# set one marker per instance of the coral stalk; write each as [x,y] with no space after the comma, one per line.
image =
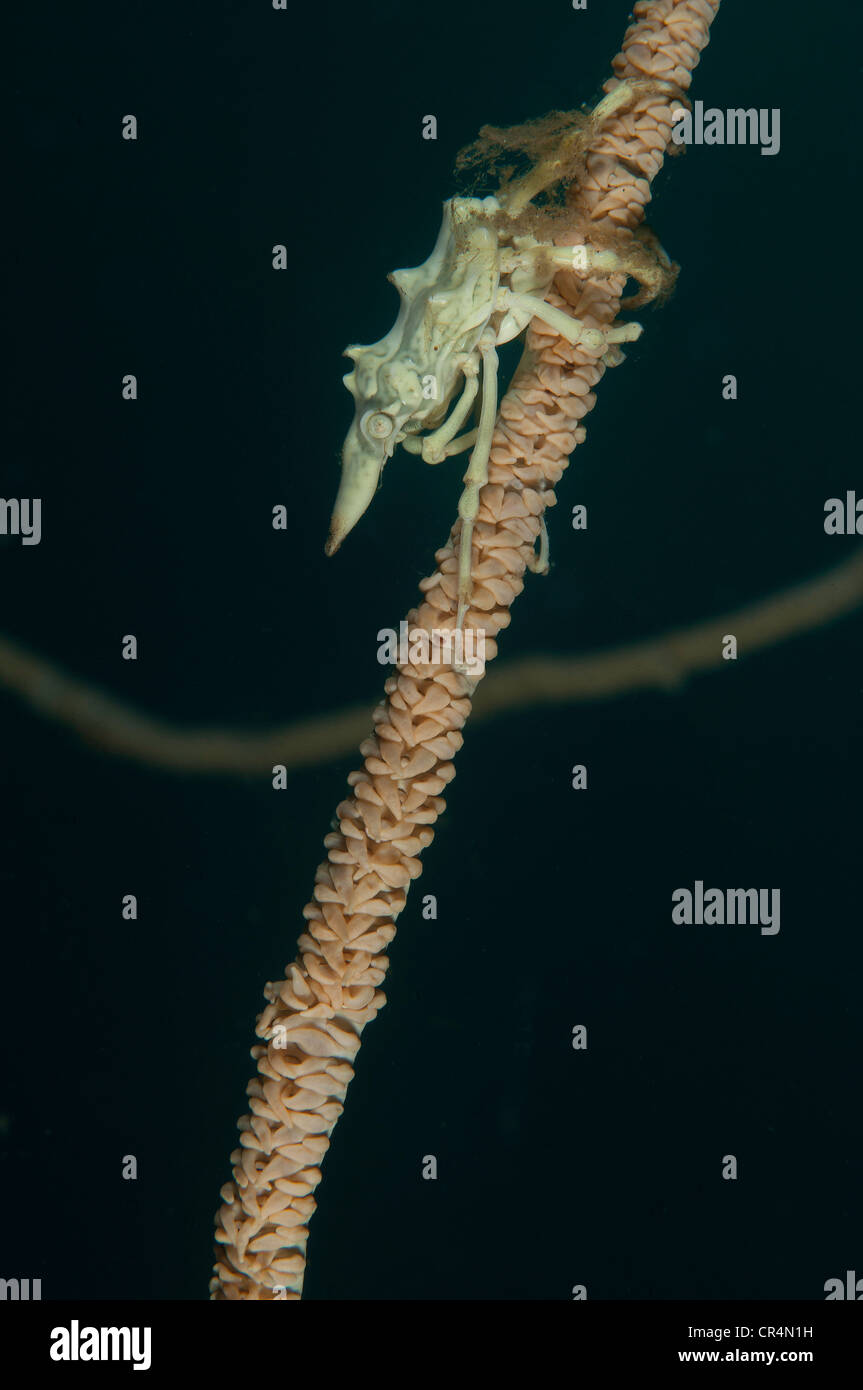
[312,1025]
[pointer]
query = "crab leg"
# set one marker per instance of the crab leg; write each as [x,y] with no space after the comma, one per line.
[477,471]
[433,446]
[572,329]
[414,445]
[464,441]
[581,258]
[538,564]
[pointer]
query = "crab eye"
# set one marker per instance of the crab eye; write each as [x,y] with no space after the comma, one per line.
[378,425]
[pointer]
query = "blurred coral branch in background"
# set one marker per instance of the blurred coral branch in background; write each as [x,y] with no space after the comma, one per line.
[658,663]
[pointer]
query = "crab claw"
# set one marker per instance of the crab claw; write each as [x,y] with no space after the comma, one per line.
[362,465]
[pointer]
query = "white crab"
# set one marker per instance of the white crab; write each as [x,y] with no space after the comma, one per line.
[479,288]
